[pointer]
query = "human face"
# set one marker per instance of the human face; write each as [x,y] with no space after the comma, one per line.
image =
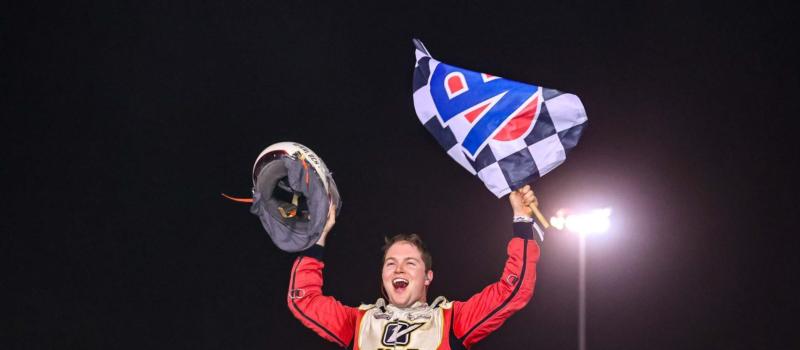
[404,277]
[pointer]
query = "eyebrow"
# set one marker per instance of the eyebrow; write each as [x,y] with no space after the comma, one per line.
[408,258]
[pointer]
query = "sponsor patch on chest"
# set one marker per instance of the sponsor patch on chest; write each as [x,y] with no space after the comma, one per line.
[398,333]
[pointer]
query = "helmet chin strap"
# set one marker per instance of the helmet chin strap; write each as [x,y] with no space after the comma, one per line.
[288,210]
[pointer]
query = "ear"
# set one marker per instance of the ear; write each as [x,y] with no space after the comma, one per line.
[428,277]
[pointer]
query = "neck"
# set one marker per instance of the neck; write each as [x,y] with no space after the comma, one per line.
[423,300]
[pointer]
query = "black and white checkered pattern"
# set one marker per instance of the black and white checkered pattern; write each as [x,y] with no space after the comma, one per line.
[505,166]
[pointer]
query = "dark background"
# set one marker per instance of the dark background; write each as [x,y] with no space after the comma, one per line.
[124,121]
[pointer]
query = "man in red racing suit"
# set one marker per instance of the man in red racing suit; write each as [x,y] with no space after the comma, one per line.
[408,322]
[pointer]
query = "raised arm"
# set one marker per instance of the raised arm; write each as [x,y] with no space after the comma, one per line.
[486,311]
[323,314]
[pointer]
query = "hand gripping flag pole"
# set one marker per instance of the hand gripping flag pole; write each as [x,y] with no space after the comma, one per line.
[507,133]
[539,217]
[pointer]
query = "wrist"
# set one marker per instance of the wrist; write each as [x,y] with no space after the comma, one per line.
[522,219]
[316,251]
[322,237]
[528,229]
[522,215]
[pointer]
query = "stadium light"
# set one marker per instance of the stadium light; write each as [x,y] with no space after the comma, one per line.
[591,222]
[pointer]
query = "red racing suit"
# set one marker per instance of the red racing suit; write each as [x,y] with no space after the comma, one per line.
[442,325]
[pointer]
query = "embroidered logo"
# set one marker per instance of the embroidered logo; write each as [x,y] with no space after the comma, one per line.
[398,333]
[512,279]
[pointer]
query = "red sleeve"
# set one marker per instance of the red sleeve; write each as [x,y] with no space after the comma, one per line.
[323,314]
[486,311]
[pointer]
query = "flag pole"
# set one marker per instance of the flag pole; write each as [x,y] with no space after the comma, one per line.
[539,217]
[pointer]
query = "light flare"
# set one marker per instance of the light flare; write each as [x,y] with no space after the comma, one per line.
[593,221]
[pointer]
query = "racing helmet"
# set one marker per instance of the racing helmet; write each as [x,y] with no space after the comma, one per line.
[292,193]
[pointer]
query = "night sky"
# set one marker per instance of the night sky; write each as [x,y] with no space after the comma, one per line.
[124,122]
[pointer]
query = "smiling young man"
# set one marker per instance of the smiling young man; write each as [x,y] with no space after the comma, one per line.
[408,321]
[406,270]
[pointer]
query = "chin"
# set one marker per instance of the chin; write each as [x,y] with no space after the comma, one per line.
[399,302]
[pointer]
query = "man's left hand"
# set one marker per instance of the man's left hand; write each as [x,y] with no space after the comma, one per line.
[521,201]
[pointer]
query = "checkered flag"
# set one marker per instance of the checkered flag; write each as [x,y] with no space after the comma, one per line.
[508,133]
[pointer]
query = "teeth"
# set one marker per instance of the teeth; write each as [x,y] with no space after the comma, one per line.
[396,280]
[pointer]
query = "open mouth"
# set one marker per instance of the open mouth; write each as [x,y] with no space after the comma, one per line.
[399,284]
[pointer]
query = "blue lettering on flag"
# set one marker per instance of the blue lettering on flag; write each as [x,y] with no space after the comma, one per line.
[478,92]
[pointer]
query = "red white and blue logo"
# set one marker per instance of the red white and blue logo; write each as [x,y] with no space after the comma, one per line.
[507,133]
[492,107]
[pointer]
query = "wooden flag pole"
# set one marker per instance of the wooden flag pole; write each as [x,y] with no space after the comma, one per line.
[539,217]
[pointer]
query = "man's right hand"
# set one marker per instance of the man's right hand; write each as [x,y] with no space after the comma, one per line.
[328,224]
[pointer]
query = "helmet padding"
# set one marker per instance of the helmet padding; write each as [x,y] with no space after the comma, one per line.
[288,172]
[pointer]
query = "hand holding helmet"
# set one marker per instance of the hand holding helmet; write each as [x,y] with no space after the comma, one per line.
[294,196]
[328,224]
